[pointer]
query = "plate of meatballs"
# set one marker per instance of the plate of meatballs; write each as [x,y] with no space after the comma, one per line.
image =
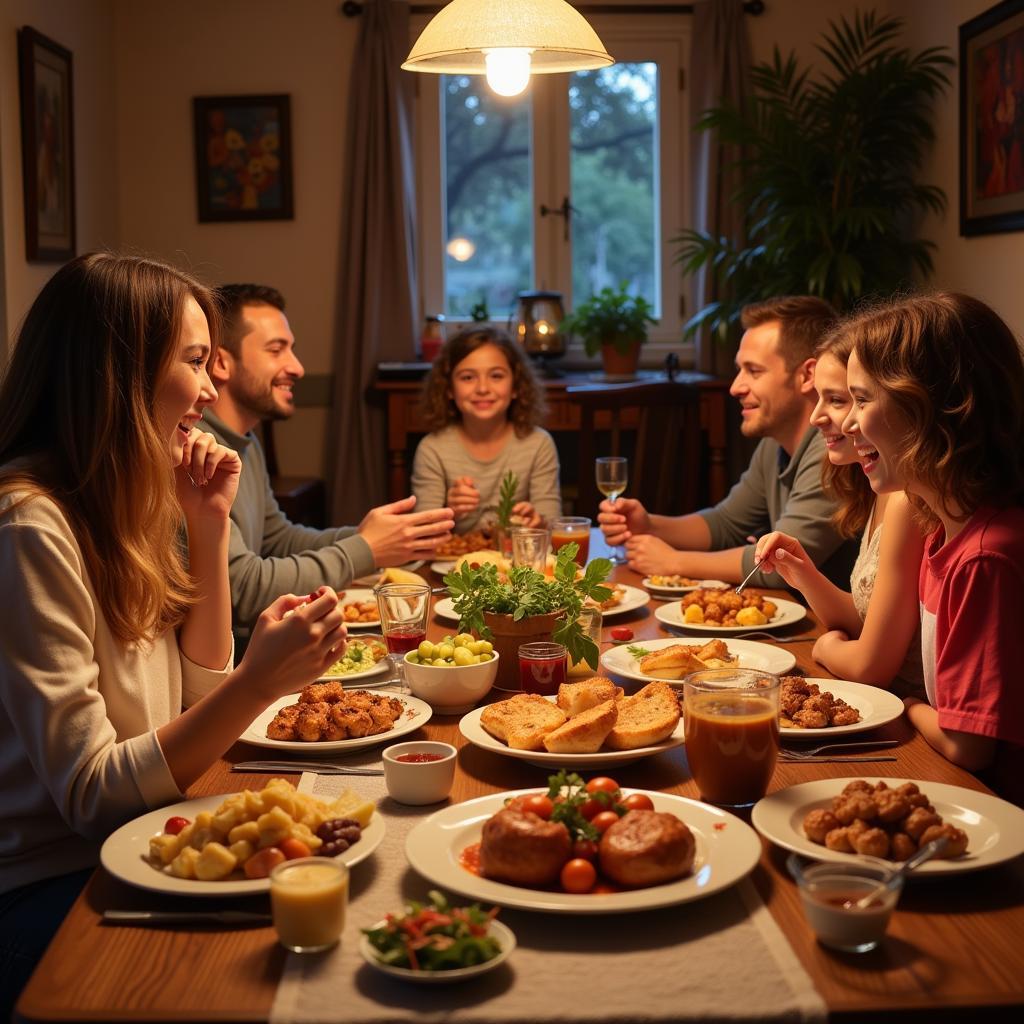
[835,819]
[693,849]
[330,718]
[813,708]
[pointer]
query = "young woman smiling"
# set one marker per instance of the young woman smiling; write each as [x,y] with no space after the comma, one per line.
[874,630]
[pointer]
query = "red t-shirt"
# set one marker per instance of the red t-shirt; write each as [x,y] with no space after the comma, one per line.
[972,635]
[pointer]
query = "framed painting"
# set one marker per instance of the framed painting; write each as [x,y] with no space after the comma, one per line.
[992,120]
[47,147]
[243,157]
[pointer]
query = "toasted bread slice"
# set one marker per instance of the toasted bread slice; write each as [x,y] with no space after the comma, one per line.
[583,733]
[649,716]
[575,698]
[714,649]
[672,662]
[522,721]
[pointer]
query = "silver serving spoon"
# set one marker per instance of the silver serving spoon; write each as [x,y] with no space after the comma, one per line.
[926,852]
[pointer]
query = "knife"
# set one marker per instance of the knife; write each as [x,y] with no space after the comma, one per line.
[238,918]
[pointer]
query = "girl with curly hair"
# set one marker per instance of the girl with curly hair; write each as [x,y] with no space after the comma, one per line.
[873,630]
[483,405]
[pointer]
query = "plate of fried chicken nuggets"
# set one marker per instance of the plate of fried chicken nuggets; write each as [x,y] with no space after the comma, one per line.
[992,829]
[810,707]
[725,611]
[588,724]
[331,718]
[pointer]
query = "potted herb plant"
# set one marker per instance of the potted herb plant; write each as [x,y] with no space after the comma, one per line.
[528,606]
[614,323]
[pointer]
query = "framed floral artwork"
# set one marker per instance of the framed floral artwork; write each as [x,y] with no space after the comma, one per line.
[243,157]
[47,147]
[992,120]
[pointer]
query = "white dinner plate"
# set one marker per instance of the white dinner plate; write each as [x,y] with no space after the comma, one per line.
[752,654]
[995,828]
[671,591]
[417,712]
[347,678]
[443,568]
[727,850]
[633,598]
[125,852]
[502,933]
[353,595]
[788,612]
[470,727]
[876,707]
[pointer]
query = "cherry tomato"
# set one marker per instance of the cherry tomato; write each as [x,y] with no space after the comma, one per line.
[540,805]
[293,848]
[174,825]
[602,784]
[260,864]
[603,821]
[621,633]
[585,849]
[578,875]
[590,808]
[638,802]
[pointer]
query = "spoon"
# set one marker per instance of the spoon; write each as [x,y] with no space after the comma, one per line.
[926,852]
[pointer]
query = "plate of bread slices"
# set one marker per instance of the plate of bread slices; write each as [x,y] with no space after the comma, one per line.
[672,660]
[589,724]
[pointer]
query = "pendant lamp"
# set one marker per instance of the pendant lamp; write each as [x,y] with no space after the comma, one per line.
[507,40]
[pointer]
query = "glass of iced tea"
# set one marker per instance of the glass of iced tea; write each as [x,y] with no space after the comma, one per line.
[404,609]
[541,668]
[732,733]
[572,530]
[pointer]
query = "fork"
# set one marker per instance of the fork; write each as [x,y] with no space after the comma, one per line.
[321,767]
[760,634]
[827,747]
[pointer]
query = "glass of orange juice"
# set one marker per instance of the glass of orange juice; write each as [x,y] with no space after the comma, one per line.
[571,530]
[308,899]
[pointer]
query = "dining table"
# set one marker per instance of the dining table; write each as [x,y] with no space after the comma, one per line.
[954,948]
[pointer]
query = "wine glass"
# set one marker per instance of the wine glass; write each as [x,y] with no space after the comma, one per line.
[404,609]
[612,474]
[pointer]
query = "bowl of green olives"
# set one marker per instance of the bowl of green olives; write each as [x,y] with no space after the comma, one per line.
[453,674]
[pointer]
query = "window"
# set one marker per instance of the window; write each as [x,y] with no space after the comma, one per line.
[604,150]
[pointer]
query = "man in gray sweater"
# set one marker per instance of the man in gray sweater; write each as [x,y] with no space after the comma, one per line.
[255,370]
[780,490]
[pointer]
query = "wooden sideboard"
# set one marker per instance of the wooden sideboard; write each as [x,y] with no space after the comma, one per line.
[405,422]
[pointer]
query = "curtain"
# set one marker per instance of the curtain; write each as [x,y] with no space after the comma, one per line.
[376,298]
[720,57]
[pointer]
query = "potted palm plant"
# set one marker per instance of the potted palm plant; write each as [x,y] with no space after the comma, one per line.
[614,323]
[830,183]
[527,606]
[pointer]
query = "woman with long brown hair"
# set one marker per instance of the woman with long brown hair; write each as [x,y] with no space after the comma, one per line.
[109,625]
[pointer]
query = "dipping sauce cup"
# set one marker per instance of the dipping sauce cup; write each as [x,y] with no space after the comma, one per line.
[571,530]
[419,772]
[828,892]
[731,720]
[308,897]
[541,668]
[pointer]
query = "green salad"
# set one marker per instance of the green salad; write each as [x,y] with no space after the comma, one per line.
[435,937]
[359,656]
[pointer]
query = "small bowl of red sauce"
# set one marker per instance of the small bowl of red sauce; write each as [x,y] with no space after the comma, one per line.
[419,772]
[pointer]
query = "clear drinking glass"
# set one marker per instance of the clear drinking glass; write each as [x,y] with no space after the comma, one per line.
[530,547]
[572,530]
[308,898]
[612,474]
[404,609]
[590,620]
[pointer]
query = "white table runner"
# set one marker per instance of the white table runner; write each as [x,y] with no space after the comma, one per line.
[718,959]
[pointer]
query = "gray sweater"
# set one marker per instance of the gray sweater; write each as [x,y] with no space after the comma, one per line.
[441,459]
[786,494]
[268,555]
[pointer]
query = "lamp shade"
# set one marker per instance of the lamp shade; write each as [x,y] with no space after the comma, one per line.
[559,37]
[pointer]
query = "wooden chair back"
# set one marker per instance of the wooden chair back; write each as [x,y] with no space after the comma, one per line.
[303,499]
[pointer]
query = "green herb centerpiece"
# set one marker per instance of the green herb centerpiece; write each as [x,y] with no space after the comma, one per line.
[529,605]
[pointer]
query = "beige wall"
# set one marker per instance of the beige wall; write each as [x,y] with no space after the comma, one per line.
[85,27]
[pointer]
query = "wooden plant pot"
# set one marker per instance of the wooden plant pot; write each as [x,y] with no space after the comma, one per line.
[509,634]
[617,364]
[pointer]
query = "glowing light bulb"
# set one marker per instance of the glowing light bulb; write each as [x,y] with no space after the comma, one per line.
[508,70]
[461,249]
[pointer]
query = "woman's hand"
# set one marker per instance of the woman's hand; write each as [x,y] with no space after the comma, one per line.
[295,640]
[778,552]
[207,479]
[463,497]
[527,513]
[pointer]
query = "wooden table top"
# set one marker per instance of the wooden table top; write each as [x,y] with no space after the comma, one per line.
[955,947]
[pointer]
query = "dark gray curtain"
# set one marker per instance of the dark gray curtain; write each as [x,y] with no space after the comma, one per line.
[377,288]
[720,57]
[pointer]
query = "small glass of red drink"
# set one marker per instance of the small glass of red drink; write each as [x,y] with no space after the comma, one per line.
[542,668]
[404,608]
[572,530]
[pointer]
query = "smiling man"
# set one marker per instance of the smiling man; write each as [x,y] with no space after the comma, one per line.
[255,371]
[780,490]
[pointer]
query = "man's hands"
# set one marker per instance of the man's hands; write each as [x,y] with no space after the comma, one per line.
[648,555]
[397,535]
[295,640]
[624,519]
[463,497]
